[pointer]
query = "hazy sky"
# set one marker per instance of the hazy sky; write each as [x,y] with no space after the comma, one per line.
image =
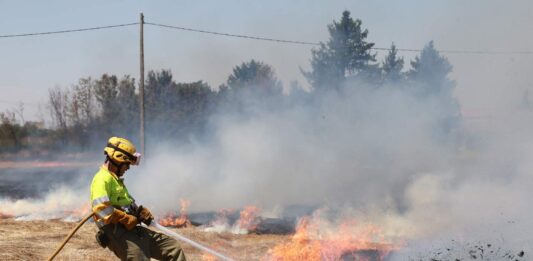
[31,65]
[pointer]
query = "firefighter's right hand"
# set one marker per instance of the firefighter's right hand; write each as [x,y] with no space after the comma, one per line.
[119,216]
[129,221]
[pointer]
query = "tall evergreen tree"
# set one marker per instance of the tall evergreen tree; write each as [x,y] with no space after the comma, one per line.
[347,54]
[430,72]
[392,67]
[429,78]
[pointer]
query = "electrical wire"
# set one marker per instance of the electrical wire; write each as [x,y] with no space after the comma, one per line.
[232,35]
[67,31]
[260,39]
[318,44]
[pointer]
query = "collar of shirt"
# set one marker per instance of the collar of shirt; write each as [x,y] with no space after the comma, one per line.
[111,173]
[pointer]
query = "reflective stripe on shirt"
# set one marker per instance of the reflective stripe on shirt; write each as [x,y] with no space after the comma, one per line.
[105,212]
[100,200]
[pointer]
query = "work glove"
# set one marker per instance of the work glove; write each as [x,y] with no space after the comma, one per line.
[119,216]
[145,215]
[129,222]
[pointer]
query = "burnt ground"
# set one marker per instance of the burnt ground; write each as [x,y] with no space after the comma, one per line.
[469,251]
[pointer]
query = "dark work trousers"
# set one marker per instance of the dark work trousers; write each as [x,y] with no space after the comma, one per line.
[141,243]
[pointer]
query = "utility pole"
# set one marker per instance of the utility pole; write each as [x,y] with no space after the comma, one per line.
[141,87]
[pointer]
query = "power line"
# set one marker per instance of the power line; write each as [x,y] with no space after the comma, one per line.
[318,44]
[260,39]
[234,35]
[67,31]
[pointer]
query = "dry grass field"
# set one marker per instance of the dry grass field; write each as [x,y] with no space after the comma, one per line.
[37,240]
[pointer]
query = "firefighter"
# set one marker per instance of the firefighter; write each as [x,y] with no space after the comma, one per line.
[118,217]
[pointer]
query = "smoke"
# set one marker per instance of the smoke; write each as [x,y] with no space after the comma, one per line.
[34,192]
[62,202]
[362,147]
[377,153]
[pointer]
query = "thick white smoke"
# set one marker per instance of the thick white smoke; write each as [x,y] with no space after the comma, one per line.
[362,148]
[376,153]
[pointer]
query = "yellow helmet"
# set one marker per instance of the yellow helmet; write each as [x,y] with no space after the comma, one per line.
[121,150]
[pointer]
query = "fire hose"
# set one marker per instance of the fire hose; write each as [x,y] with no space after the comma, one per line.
[70,235]
[153,224]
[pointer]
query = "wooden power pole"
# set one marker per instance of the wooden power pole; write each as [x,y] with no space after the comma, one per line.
[141,88]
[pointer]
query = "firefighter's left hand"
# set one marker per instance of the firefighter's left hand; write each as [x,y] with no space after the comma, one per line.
[145,216]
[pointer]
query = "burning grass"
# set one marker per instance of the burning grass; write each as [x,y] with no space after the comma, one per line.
[171,220]
[315,239]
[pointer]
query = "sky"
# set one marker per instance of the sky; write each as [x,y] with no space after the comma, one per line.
[30,66]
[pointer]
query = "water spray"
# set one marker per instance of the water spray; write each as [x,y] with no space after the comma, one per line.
[177,236]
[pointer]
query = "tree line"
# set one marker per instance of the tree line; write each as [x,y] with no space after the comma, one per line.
[85,114]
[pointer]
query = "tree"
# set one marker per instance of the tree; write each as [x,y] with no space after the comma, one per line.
[176,111]
[250,84]
[11,132]
[430,72]
[58,101]
[106,92]
[255,78]
[429,77]
[347,54]
[194,106]
[157,94]
[128,101]
[392,67]
[81,111]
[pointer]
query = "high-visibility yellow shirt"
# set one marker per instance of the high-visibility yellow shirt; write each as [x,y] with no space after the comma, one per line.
[107,192]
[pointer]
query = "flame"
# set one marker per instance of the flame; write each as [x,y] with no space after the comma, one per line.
[317,239]
[248,220]
[301,246]
[182,220]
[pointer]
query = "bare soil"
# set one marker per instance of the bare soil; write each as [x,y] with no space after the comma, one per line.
[37,240]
